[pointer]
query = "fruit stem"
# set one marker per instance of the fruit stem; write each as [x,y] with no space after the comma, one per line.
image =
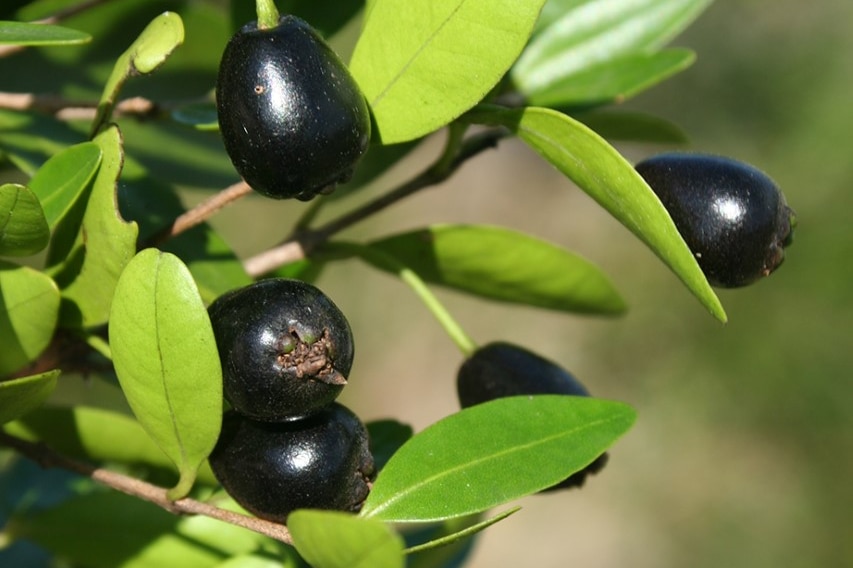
[381,259]
[267,14]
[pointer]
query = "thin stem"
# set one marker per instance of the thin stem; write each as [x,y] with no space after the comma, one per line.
[46,458]
[375,256]
[267,14]
[301,245]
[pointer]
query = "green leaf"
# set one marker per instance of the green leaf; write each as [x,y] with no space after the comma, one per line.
[455,531]
[492,453]
[96,435]
[386,437]
[63,178]
[329,539]
[613,81]
[90,259]
[29,309]
[153,46]
[18,397]
[114,530]
[505,265]
[25,33]
[423,66]
[599,170]
[166,360]
[632,126]
[198,115]
[23,228]
[592,32]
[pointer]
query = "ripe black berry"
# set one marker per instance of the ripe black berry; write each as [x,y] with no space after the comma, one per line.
[271,469]
[499,369]
[732,216]
[285,348]
[292,118]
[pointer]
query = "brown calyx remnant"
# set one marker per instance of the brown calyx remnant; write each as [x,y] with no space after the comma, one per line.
[312,360]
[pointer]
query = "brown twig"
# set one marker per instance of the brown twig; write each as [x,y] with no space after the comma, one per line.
[301,245]
[47,458]
[64,109]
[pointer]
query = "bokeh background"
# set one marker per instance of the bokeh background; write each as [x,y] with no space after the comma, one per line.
[742,455]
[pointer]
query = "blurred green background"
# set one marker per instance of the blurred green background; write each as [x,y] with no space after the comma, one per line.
[741,456]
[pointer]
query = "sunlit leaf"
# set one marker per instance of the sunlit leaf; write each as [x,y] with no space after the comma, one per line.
[166,360]
[599,170]
[422,63]
[29,309]
[26,33]
[493,453]
[18,397]
[329,539]
[23,227]
[61,180]
[505,265]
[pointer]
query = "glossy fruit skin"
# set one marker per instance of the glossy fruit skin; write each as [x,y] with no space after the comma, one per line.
[271,469]
[293,120]
[500,369]
[732,216]
[285,348]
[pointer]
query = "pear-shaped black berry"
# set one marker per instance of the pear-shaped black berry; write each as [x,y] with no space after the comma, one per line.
[732,216]
[500,369]
[293,120]
[285,348]
[271,469]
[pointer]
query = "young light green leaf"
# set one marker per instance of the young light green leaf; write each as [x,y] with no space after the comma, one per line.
[26,33]
[599,170]
[592,32]
[61,180]
[90,258]
[423,63]
[23,227]
[153,46]
[330,539]
[19,397]
[29,309]
[613,81]
[166,360]
[492,453]
[505,265]
[98,435]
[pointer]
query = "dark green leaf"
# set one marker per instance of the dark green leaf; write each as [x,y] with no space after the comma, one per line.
[18,397]
[613,81]
[96,435]
[423,66]
[198,115]
[632,127]
[166,359]
[386,437]
[29,309]
[590,33]
[502,264]
[113,530]
[23,228]
[599,170]
[329,539]
[103,245]
[61,180]
[25,33]
[454,536]
[493,453]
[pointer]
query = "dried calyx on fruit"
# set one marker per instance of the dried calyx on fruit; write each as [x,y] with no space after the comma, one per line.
[293,120]
[732,216]
[500,369]
[285,348]
[271,469]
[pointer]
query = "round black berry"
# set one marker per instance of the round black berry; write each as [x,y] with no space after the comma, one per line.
[732,216]
[292,118]
[499,369]
[271,469]
[285,348]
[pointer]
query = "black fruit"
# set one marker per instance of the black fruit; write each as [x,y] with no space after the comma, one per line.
[271,469]
[285,348]
[732,216]
[292,118]
[499,369]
